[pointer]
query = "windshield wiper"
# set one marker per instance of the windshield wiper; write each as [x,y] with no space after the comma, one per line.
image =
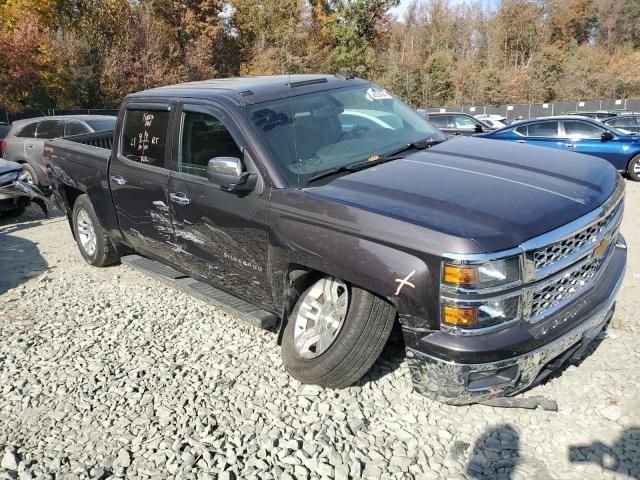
[387,157]
[419,145]
[328,173]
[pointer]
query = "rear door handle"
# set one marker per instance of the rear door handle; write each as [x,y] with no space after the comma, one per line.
[118,180]
[521,141]
[570,145]
[30,147]
[179,198]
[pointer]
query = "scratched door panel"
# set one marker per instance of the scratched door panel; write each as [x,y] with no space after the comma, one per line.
[221,237]
[138,182]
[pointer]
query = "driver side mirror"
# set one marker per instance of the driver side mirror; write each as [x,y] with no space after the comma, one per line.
[478,128]
[606,136]
[227,172]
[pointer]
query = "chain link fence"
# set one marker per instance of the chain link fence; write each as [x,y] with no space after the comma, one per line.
[534,110]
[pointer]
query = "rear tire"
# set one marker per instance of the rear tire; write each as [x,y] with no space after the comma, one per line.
[32,178]
[633,170]
[355,347]
[94,243]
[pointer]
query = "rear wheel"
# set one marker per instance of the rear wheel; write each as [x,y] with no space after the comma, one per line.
[634,168]
[30,174]
[94,243]
[335,333]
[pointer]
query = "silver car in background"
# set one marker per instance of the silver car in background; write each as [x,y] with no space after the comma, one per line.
[24,143]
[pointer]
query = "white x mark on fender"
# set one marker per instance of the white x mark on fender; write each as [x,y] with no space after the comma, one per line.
[405,281]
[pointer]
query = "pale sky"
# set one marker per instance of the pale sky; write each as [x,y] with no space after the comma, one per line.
[399,10]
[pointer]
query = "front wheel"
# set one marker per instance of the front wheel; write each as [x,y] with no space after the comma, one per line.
[94,243]
[335,333]
[634,168]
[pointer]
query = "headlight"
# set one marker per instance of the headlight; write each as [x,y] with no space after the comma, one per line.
[8,177]
[489,274]
[480,314]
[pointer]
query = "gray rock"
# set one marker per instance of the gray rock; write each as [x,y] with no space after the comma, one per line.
[9,461]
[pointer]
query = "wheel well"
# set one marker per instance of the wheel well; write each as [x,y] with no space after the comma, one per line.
[70,196]
[297,280]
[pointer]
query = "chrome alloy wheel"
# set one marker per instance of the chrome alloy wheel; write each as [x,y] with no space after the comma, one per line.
[320,317]
[636,168]
[26,175]
[86,232]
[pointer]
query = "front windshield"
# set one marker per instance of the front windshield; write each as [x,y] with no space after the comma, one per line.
[318,132]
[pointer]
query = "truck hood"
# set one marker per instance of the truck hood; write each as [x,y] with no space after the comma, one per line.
[498,194]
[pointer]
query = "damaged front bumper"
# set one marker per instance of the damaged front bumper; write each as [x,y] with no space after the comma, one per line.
[18,191]
[465,383]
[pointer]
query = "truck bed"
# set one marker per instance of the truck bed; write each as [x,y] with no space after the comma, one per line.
[78,164]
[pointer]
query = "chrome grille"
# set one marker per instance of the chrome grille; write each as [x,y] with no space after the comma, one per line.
[561,290]
[549,255]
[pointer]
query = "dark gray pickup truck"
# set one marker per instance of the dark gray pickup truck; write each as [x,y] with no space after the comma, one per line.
[323,207]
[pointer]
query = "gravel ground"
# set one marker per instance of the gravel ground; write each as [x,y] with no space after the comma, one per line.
[105,372]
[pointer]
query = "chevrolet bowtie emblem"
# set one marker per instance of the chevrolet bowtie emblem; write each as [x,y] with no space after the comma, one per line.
[602,248]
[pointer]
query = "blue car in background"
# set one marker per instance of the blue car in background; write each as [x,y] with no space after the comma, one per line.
[580,135]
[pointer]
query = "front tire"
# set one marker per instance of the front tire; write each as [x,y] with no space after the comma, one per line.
[94,243]
[633,170]
[352,342]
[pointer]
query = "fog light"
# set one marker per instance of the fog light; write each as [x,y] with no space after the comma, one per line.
[487,379]
[460,316]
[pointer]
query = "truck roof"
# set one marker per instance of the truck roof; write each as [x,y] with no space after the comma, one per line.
[250,90]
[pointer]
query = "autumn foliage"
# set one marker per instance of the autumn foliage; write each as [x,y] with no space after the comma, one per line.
[90,53]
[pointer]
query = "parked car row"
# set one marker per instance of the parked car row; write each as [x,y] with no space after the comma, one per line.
[580,135]
[23,174]
[610,136]
[24,140]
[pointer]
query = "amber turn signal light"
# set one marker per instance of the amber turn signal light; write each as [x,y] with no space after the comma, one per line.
[466,317]
[460,275]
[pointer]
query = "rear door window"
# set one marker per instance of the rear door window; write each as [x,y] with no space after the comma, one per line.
[464,123]
[623,122]
[50,129]
[543,129]
[75,128]
[440,121]
[29,131]
[144,136]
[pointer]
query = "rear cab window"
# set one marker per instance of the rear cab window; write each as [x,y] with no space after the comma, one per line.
[144,135]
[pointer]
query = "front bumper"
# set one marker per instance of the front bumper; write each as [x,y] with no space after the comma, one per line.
[464,383]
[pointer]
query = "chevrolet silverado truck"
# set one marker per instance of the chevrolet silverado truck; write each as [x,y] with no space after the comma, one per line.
[326,209]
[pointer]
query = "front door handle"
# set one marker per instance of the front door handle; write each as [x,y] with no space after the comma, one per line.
[118,180]
[570,145]
[179,198]
[521,141]
[31,147]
